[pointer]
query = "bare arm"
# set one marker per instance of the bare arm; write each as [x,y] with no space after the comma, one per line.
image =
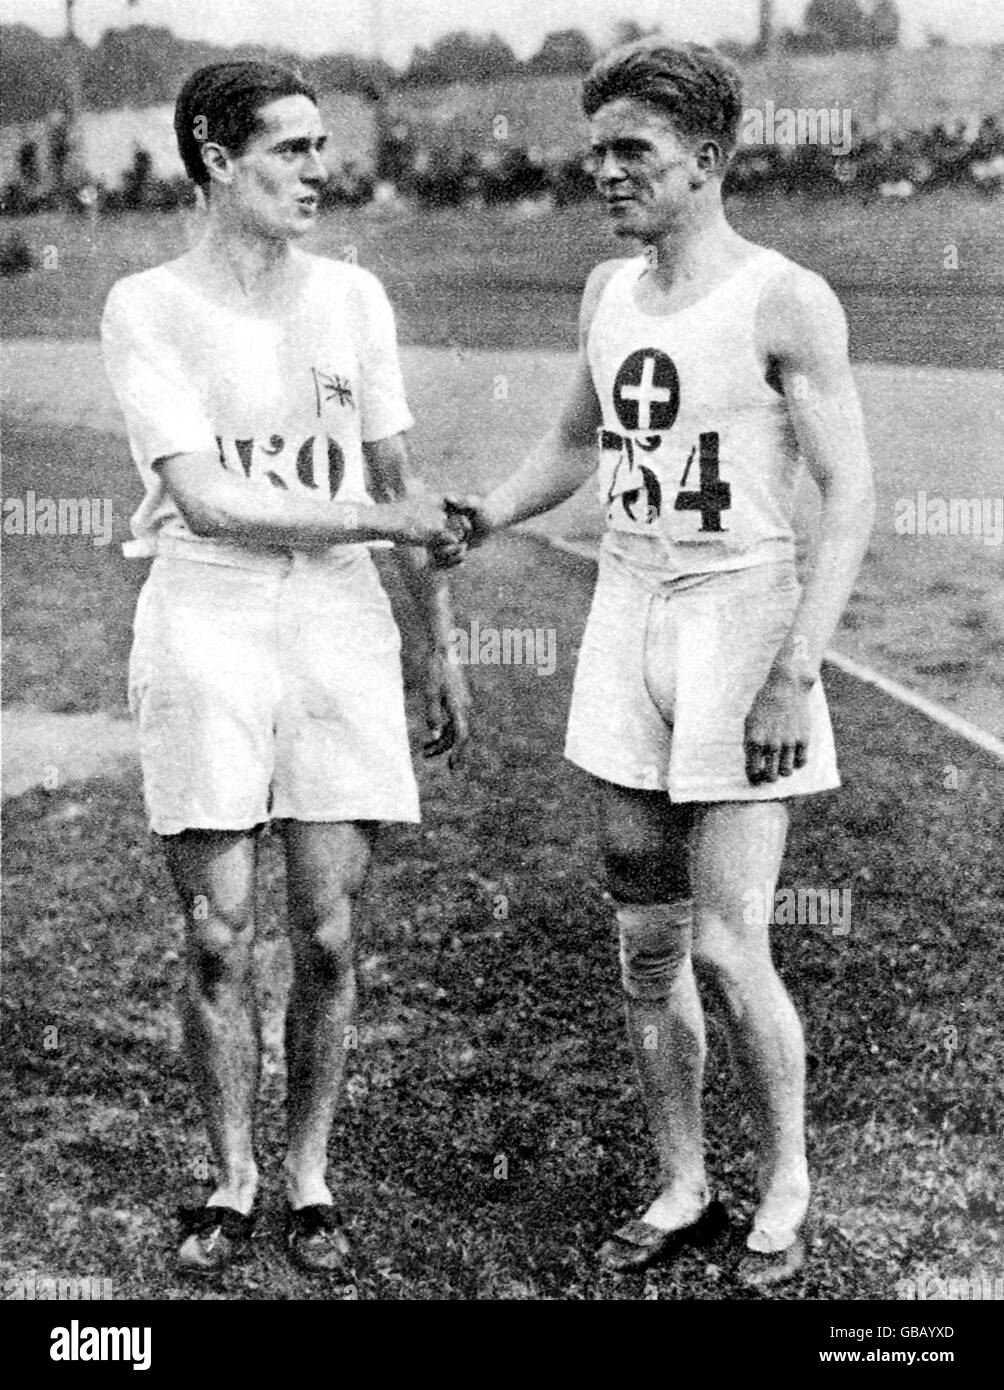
[215,503]
[802,328]
[805,332]
[393,481]
[562,461]
[447,698]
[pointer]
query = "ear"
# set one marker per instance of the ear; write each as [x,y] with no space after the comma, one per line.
[218,162]
[709,161]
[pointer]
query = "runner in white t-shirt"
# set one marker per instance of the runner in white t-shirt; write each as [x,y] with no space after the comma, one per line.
[265,411]
[708,368]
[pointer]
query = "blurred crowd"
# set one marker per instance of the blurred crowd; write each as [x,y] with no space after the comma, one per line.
[881,163]
[140,189]
[421,166]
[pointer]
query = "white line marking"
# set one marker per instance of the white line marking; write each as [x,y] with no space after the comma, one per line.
[972,733]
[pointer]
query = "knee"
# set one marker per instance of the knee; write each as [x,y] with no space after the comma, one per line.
[220,951]
[638,875]
[325,942]
[722,964]
[654,948]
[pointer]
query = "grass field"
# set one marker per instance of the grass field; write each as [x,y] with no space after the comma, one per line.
[481,1037]
[469,278]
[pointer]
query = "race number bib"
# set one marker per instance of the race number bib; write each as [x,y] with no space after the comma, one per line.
[652,478]
[315,464]
[658,483]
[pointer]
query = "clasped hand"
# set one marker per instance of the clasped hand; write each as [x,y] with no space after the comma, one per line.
[444,533]
[454,525]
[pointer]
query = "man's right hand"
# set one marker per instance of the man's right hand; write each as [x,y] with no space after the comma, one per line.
[472,509]
[421,521]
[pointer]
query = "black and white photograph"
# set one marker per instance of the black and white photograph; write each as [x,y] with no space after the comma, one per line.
[503,664]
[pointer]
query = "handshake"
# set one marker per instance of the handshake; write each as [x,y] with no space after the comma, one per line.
[447,529]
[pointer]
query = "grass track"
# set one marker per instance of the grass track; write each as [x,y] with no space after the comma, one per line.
[484,1038]
[477,278]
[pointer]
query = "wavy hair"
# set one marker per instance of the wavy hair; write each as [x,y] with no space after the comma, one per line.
[696,87]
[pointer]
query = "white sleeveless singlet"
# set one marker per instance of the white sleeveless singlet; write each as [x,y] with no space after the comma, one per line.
[698,457]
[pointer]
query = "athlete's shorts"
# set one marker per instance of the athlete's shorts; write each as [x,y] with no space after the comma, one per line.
[667,674]
[269,691]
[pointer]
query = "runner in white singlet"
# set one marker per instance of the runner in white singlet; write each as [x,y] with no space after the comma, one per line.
[706,370]
[697,450]
[265,411]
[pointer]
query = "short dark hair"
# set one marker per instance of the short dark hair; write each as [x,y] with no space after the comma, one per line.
[696,87]
[226,98]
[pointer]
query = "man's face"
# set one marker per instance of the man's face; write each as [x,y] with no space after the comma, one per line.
[642,168]
[279,174]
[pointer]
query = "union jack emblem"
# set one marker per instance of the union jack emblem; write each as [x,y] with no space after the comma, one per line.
[331,388]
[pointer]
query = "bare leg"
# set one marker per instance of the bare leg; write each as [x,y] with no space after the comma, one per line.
[668,1045]
[213,872]
[326,866]
[645,843]
[736,852]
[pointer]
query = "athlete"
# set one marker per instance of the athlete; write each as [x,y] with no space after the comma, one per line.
[266,413]
[709,367]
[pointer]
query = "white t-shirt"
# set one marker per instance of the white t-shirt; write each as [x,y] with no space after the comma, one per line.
[281,395]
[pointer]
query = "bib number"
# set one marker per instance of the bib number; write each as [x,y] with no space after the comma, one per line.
[636,488]
[713,496]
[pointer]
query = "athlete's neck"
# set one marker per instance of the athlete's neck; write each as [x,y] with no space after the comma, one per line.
[255,263]
[693,250]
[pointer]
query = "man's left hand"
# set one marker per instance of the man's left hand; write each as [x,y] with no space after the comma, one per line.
[447,710]
[777,728]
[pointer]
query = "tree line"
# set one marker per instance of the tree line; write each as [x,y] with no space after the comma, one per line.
[145,64]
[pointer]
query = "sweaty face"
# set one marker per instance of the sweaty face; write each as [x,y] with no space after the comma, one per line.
[642,168]
[279,174]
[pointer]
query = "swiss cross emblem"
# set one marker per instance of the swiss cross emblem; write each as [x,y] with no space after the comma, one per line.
[647,391]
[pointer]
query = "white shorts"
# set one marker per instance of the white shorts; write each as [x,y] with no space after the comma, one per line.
[269,691]
[667,674]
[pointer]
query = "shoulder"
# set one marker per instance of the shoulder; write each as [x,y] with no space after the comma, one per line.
[142,306]
[599,278]
[798,306]
[135,293]
[345,278]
